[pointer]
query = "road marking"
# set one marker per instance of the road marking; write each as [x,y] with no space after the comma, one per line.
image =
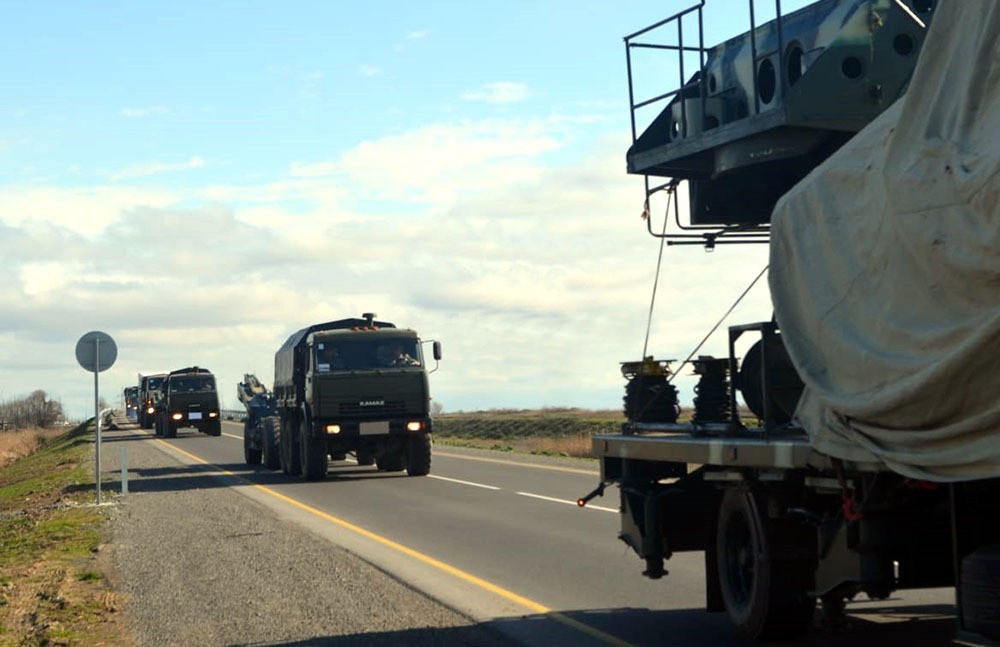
[554,468]
[232,436]
[445,478]
[572,503]
[458,573]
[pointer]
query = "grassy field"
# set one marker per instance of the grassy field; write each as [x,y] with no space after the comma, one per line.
[52,588]
[553,432]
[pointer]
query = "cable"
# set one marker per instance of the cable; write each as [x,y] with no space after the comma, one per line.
[717,324]
[671,188]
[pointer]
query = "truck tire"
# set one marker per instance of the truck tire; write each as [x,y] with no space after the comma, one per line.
[390,461]
[269,442]
[251,455]
[765,589]
[313,451]
[418,454]
[365,457]
[169,428]
[290,459]
[981,592]
[215,427]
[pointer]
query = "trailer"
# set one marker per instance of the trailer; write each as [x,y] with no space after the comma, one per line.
[849,445]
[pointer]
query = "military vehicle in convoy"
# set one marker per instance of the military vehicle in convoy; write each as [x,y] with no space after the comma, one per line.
[352,385]
[188,398]
[149,391]
[261,426]
[130,396]
[859,138]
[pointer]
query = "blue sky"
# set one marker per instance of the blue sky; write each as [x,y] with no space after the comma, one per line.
[201,179]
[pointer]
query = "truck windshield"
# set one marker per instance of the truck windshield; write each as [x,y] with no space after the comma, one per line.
[153,383]
[367,354]
[192,384]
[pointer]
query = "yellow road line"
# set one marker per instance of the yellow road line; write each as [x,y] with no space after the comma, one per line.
[417,555]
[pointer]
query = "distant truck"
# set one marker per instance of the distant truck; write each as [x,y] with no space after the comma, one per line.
[148,390]
[131,397]
[352,385]
[188,398]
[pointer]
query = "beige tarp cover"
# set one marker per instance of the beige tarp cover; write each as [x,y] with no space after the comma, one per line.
[885,269]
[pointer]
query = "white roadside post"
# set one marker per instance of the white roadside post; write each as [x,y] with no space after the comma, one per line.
[96,351]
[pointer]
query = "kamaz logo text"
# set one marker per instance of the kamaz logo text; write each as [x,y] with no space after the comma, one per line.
[372,403]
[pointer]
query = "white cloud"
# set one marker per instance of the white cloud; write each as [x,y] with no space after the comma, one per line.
[139,113]
[154,168]
[417,34]
[369,70]
[498,92]
[535,274]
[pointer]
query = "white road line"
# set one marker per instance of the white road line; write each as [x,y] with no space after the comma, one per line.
[444,478]
[554,468]
[232,436]
[572,503]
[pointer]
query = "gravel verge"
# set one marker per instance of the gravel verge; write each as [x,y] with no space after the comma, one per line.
[206,565]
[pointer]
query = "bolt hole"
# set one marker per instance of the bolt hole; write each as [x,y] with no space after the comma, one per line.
[794,64]
[766,80]
[903,44]
[852,67]
[712,84]
[923,6]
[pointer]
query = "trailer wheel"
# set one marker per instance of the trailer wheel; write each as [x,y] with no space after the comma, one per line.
[251,455]
[313,453]
[269,442]
[765,593]
[418,454]
[390,461]
[981,592]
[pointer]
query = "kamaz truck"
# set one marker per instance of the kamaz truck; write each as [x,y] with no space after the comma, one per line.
[859,140]
[149,391]
[353,386]
[188,398]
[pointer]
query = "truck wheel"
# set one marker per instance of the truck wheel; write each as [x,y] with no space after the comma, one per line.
[313,450]
[365,457]
[981,592]
[418,454]
[269,441]
[169,428]
[215,427]
[250,454]
[290,459]
[390,461]
[766,592]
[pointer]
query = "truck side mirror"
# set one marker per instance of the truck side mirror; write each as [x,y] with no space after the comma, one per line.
[437,351]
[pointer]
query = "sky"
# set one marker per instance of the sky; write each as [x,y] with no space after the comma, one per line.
[201,179]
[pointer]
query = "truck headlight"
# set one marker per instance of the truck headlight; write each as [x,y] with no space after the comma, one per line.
[150,410]
[414,426]
[213,414]
[177,416]
[333,429]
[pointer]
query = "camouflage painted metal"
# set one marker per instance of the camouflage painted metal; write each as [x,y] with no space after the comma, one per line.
[763,109]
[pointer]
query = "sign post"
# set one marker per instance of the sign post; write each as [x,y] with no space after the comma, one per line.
[96,351]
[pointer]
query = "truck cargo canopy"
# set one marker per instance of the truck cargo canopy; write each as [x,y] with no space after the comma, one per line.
[885,269]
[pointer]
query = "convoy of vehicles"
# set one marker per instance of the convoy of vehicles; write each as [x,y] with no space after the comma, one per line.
[869,462]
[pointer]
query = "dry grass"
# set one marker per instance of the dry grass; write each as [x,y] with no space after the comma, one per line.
[22,442]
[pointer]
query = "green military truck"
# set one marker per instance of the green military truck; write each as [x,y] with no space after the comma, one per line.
[353,385]
[188,398]
[149,389]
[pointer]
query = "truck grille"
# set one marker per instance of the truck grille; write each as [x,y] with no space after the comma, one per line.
[390,408]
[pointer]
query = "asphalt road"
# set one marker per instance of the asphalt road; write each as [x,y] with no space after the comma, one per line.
[496,537]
